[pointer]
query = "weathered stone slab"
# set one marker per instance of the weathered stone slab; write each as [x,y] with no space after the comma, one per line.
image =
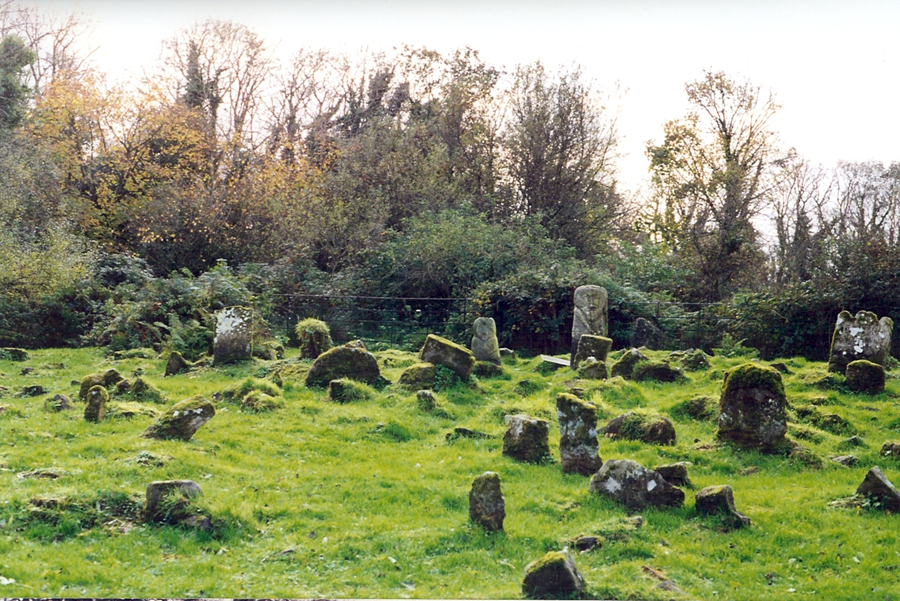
[553,576]
[863,336]
[526,438]
[578,446]
[485,346]
[182,420]
[591,314]
[634,486]
[591,346]
[345,361]
[234,335]
[752,409]
[555,363]
[719,499]
[487,508]
[418,376]
[674,473]
[441,351]
[865,376]
[97,398]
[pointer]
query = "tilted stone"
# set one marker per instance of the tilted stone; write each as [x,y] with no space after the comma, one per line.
[487,508]
[591,314]
[485,346]
[634,486]
[752,409]
[182,420]
[441,351]
[526,438]
[591,369]
[719,499]
[234,335]
[863,336]
[865,376]
[553,576]
[578,446]
[877,487]
[590,345]
[343,362]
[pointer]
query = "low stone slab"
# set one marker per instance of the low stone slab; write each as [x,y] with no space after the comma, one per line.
[658,371]
[345,361]
[487,507]
[526,438]
[441,351]
[878,488]
[865,376]
[719,499]
[591,369]
[158,490]
[13,354]
[578,446]
[59,402]
[636,426]
[182,420]
[674,473]
[553,576]
[634,486]
[862,336]
[418,376]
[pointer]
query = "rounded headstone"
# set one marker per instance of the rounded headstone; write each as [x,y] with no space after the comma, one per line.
[752,409]
[862,336]
[591,314]
[485,346]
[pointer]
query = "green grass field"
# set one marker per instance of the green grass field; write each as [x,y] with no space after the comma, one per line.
[318,499]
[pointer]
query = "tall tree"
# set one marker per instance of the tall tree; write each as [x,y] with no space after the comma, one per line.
[15,57]
[712,175]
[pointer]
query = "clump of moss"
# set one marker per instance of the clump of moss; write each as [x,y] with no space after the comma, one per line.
[345,390]
[830,422]
[754,375]
[313,337]
[235,394]
[257,402]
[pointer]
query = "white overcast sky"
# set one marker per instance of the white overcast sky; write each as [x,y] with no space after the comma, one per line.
[834,66]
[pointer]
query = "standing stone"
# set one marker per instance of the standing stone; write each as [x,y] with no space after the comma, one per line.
[182,420]
[578,447]
[526,438]
[634,486]
[714,500]
[877,487]
[645,333]
[553,576]
[752,409]
[441,351]
[591,346]
[485,346]
[591,314]
[234,335]
[487,507]
[97,397]
[865,376]
[861,337]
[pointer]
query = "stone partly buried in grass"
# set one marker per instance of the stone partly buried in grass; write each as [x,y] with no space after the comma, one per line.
[752,409]
[645,428]
[418,376]
[59,402]
[526,438]
[592,346]
[345,361]
[182,420]
[487,508]
[578,447]
[658,371]
[879,489]
[97,398]
[169,502]
[634,486]
[591,369]
[107,379]
[259,402]
[553,576]
[716,500]
[345,390]
[141,390]
[865,376]
[441,351]
[625,365]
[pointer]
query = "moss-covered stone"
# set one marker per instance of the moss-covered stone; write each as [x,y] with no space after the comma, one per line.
[553,576]
[691,359]
[526,438]
[752,409]
[865,376]
[830,422]
[426,401]
[345,390]
[698,408]
[891,449]
[236,393]
[141,390]
[674,473]
[129,410]
[107,379]
[343,362]
[487,508]
[578,446]
[96,398]
[625,365]
[419,376]
[591,369]
[176,364]
[484,343]
[59,402]
[591,346]
[259,402]
[650,429]
[182,420]
[13,354]
[484,369]
[313,337]
[441,351]
[715,500]
[658,371]
[862,336]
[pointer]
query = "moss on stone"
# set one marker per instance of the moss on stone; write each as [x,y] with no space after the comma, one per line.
[182,420]
[343,362]
[258,402]
[552,576]
[485,369]
[659,371]
[754,375]
[236,394]
[625,366]
[97,398]
[418,376]
[176,364]
[345,390]
[441,351]
[865,376]
[313,337]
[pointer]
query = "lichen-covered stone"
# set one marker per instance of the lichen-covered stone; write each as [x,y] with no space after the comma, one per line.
[645,333]
[483,369]
[658,371]
[59,402]
[865,376]
[591,314]
[553,576]
[176,364]
[343,362]
[591,369]
[590,345]
[637,426]
[863,336]
[418,376]
[578,446]
[487,508]
[719,499]
[634,486]
[752,409]
[625,365]
[526,438]
[441,351]
[32,390]
[674,473]
[97,398]
[485,346]
[234,335]
[345,390]
[878,488]
[313,337]
[182,420]
[107,379]
[13,354]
